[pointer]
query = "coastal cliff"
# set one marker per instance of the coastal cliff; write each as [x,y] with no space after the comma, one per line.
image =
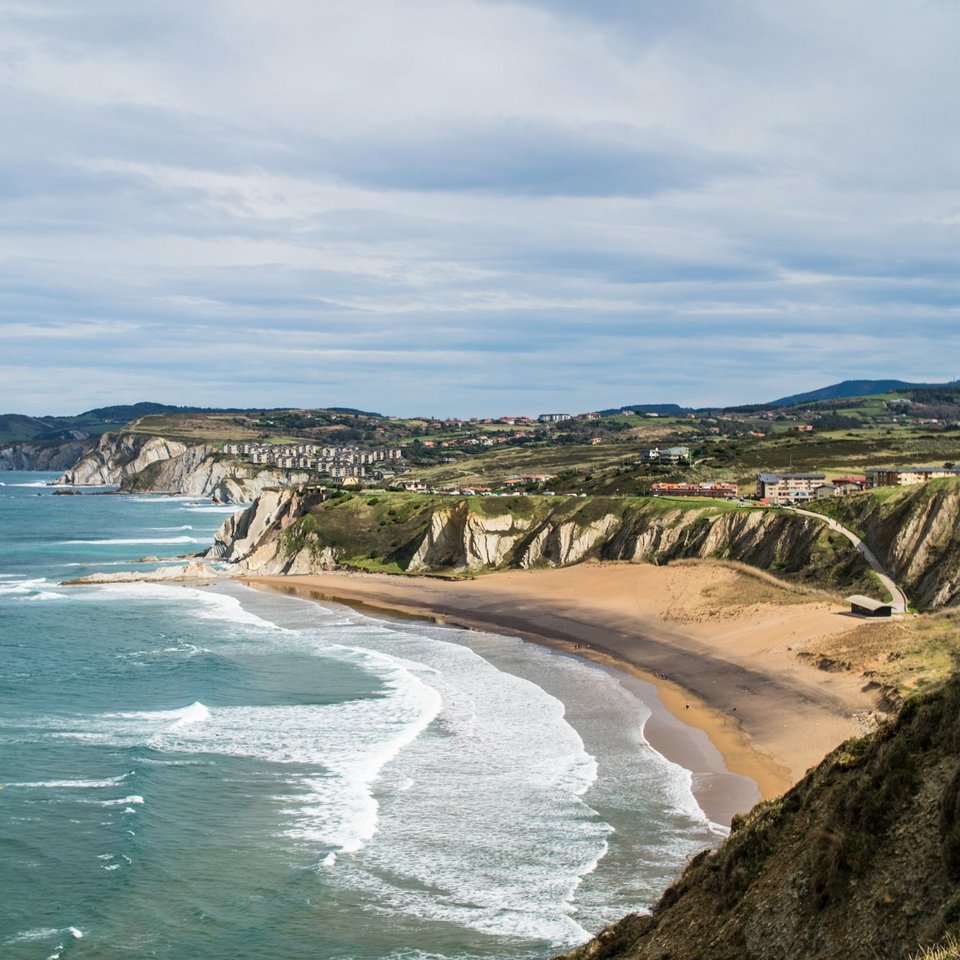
[118,456]
[42,454]
[144,464]
[860,859]
[287,531]
[913,532]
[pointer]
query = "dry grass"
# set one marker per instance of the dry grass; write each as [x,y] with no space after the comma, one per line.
[727,590]
[948,949]
[780,591]
[903,655]
[200,428]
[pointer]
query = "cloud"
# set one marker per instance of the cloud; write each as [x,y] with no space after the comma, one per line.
[459,203]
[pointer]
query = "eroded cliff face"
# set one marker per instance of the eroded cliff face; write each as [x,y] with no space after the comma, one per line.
[915,533]
[197,472]
[253,538]
[286,531]
[117,456]
[458,539]
[141,464]
[42,455]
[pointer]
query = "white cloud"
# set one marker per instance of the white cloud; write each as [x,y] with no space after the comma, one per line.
[424,203]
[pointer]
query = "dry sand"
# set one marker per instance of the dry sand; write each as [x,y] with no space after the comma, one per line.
[719,645]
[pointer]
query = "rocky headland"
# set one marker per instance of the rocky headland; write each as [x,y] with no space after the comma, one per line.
[42,454]
[138,463]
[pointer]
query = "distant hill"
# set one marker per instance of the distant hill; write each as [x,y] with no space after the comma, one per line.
[354,412]
[15,427]
[664,409]
[852,388]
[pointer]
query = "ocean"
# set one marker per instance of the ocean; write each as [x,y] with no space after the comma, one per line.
[221,773]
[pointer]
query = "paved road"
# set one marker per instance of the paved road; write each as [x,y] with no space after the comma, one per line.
[899,597]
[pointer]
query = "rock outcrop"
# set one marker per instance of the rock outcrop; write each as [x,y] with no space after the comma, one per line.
[253,538]
[118,456]
[459,539]
[913,532]
[193,570]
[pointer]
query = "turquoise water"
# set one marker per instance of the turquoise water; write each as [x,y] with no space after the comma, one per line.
[222,773]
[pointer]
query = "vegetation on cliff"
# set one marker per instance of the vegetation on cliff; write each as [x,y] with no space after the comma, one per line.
[860,859]
[913,532]
[421,533]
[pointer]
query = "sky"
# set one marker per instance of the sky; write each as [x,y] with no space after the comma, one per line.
[474,207]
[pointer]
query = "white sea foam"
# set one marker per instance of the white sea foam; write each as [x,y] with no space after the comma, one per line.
[184,526]
[71,784]
[347,744]
[30,936]
[107,563]
[168,719]
[45,933]
[182,648]
[203,604]
[501,770]
[23,586]
[46,595]
[225,508]
[133,799]
[130,541]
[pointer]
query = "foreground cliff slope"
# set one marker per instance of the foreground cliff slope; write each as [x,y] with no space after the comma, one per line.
[290,531]
[861,859]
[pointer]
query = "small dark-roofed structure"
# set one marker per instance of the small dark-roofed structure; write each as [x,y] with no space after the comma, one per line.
[866,607]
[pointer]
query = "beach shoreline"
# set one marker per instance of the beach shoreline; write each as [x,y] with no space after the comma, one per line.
[721,707]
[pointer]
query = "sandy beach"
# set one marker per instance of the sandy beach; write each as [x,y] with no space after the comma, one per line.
[719,647]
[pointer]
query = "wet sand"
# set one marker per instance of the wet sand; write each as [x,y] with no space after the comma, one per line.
[689,637]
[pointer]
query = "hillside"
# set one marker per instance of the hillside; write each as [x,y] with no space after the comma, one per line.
[289,531]
[861,859]
[852,388]
[913,532]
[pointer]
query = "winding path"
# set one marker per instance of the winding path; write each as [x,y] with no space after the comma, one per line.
[899,597]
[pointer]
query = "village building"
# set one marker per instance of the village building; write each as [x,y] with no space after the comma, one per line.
[868,607]
[837,488]
[716,489]
[907,476]
[783,488]
[554,417]
[669,455]
[338,462]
